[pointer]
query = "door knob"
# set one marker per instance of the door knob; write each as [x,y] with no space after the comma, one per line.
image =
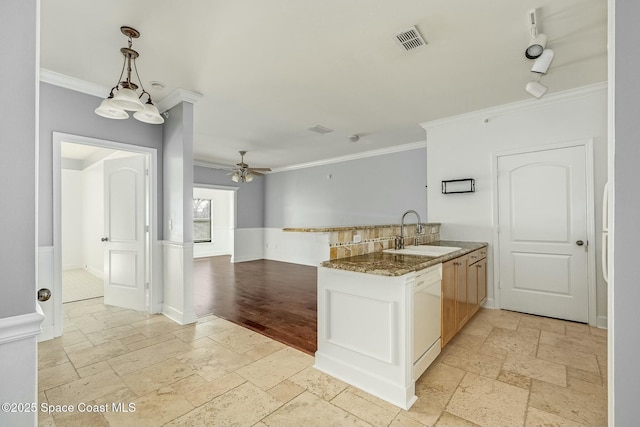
[579,243]
[104,239]
[44,294]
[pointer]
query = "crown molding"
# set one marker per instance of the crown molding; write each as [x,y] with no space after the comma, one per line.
[356,156]
[73,83]
[210,165]
[553,98]
[176,97]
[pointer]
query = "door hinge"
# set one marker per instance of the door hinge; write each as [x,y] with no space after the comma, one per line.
[146,228]
[499,285]
[146,172]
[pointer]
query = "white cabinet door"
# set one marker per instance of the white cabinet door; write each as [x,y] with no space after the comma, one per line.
[542,207]
[124,226]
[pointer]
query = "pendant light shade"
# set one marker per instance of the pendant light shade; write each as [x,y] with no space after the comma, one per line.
[127,99]
[124,95]
[110,111]
[149,114]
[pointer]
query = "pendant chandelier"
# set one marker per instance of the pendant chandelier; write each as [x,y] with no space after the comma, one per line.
[124,96]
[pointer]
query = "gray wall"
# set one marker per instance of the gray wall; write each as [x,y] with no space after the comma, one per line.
[68,111]
[369,191]
[626,279]
[18,48]
[250,196]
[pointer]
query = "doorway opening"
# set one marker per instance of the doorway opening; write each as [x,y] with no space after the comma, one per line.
[104,226]
[82,216]
[214,222]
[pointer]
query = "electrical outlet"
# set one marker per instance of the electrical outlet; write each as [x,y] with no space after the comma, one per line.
[357,238]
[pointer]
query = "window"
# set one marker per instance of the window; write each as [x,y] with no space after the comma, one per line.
[201,220]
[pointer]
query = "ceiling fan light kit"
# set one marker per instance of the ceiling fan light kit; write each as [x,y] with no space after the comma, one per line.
[124,96]
[243,173]
[537,49]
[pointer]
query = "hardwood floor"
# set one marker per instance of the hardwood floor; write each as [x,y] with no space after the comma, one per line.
[276,299]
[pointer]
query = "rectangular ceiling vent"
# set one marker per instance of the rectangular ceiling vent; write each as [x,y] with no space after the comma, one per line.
[320,129]
[410,39]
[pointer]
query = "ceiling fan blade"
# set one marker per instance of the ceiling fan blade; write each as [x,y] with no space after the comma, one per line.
[261,169]
[254,172]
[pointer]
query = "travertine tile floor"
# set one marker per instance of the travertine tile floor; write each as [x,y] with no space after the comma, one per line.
[503,369]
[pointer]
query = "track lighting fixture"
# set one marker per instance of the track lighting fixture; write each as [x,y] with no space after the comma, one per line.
[537,50]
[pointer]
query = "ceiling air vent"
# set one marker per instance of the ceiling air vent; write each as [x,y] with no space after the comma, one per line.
[410,39]
[320,129]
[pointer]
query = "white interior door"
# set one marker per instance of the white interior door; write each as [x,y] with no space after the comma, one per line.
[542,210]
[124,237]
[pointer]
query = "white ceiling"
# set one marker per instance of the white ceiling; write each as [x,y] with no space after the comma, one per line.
[269,70]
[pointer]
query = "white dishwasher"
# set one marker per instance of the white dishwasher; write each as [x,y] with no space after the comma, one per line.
[426,318]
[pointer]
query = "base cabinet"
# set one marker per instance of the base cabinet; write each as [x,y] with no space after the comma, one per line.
[448,323]
[379,333]
[462,295]
[464,290]
[481,273]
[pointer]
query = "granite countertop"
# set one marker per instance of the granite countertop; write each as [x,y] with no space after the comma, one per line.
[389,264]
[346,228]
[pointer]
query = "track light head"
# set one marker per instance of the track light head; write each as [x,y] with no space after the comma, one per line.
[536,89]
[541,66]
[536,47]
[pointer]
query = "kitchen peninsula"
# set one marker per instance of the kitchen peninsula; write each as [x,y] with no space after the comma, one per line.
[380,314]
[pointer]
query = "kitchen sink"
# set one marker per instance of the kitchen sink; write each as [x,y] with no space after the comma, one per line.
[425,250]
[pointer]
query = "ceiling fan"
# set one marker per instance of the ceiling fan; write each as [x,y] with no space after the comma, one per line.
[241,172]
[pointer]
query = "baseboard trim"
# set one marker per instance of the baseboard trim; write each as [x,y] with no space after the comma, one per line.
[490,303]
[177,315]
[95,272]
[21,327]
[244,259]
[602,322]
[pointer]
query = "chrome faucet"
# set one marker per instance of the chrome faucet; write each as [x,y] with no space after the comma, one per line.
[400,242]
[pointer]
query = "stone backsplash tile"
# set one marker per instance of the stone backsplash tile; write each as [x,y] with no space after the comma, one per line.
[377,239]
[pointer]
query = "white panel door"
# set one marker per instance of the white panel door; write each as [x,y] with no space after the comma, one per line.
[542,210]
[124,237]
